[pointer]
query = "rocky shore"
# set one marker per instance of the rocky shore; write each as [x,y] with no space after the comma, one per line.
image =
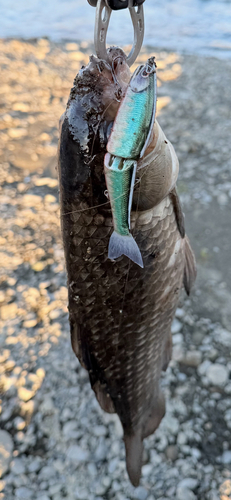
[55,442]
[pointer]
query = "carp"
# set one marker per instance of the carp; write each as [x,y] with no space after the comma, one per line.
[120,314]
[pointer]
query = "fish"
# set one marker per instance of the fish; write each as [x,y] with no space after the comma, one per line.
[120,314]
[130,133]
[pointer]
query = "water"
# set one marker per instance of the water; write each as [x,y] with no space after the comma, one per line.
[191,26]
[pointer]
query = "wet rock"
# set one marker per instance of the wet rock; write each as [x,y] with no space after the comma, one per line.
[217,375]
[6,449]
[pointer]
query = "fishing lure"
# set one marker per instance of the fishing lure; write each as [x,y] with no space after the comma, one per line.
[127,142]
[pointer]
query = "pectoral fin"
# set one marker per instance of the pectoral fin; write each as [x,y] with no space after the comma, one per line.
[190,270]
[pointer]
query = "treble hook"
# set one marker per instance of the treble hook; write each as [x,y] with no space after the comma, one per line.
[102,18]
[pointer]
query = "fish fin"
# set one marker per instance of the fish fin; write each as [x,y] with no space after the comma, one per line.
[167,354]
[190,270]
[131,193]
[103,398]
[124,245]
[155,416]
[134,453]
[178,212]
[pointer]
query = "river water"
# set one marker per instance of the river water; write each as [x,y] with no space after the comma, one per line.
[188,26]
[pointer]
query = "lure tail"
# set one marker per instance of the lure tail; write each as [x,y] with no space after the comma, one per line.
[124,245]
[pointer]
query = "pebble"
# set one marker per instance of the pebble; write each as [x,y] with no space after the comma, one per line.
[6,449]
[217,375]
[202,369]
[147,469]
[223,337]
[226,457]
[189,483]
[171,452]
[76,454]
[35,465]
[177,338]
[192,358]
[140,493]
[17,467]
[184,494]
[24,493]
[176,326]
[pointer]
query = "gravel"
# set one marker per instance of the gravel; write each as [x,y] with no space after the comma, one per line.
[6,449]
[55,441]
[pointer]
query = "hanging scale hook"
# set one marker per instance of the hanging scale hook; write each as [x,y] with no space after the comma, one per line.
[102,18]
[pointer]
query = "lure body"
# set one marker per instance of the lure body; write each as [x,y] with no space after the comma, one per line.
[120,315]
[129,136]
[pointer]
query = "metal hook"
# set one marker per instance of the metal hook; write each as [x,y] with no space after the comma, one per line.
[102,18]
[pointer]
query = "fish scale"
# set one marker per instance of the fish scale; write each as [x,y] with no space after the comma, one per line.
[120,314]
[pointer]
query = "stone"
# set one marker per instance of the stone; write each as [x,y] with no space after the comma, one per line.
[178,352]
[176,326]
[35,465]
[17,467]
[223,337]
[99,430]
[171,452]
[24,493]
[69,427]
[177,338]
[6,449]
[25,394]
[184,493]
[213,495]
[217,375]
[76,454]
[9,311]
[181,438]
[101,451]
[147,469]
[226,457]
[171,424]
[202,369]
[180,313]
[192,358]
[189,482]
[225,488]
[140,493]
[42,497]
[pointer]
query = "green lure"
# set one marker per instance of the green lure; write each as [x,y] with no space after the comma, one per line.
[127,142]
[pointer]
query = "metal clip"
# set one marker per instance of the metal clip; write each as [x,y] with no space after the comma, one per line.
[102,18]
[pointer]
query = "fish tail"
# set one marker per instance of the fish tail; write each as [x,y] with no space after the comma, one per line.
[124,245]
[134,452]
